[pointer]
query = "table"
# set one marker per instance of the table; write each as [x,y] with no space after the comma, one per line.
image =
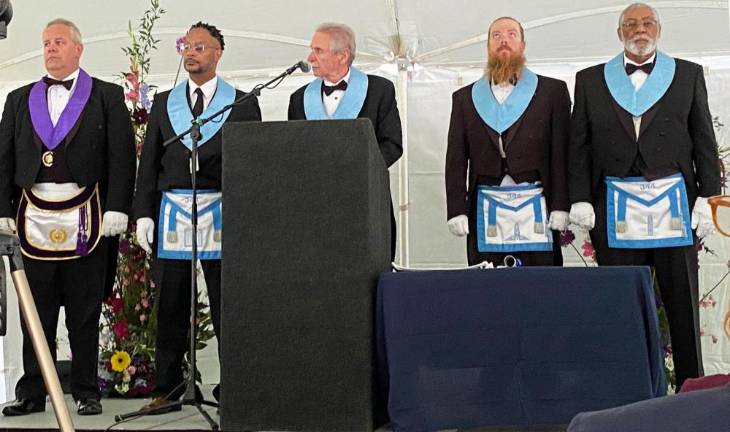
[515,346]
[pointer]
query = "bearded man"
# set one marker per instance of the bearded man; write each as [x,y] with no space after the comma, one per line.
[643,154]
[506,186]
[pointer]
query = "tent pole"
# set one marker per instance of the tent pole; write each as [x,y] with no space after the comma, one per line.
[403,180]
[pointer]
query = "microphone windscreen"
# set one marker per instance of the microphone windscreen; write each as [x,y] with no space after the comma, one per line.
[304,66]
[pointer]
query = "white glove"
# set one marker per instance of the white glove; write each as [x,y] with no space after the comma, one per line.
[113,223]
[558,220]
[145,233]
[702,218]
[459,225]
[7,224]
[582,215]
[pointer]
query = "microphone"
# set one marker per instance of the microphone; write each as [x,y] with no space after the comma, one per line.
[304,66]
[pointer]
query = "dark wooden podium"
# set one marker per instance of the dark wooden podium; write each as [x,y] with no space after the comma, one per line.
[306,234]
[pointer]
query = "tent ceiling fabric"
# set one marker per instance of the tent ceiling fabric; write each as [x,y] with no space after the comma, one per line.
[268,35]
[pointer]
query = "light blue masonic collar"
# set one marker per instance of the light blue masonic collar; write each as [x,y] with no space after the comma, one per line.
[656,84]
[350,104]
[178,111]
[501,116]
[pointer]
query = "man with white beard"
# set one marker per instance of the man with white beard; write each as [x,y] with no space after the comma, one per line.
[643,155]
[506,181]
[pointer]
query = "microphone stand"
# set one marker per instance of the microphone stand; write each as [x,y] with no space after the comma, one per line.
[194,132]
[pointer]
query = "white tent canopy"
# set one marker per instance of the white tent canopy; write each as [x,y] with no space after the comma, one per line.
[268,35]
[429,48]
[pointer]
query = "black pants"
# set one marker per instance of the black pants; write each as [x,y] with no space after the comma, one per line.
[676,272]
[78,286]
[172,278]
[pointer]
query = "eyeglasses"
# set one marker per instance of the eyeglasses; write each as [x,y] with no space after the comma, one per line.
[498,36]
[720,206]
[198,47]
[632,24]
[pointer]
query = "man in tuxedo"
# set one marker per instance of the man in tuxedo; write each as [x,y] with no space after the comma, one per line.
[162,200]
[341,91]
[507,146]
[643,155]
[67,167]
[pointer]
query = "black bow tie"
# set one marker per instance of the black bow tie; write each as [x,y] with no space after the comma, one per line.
[50,82]
[646,67]
[342,85]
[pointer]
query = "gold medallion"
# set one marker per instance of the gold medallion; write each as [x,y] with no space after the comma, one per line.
[57,236]
[47,158]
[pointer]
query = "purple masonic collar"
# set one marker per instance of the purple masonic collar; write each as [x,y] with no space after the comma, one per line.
[40,118]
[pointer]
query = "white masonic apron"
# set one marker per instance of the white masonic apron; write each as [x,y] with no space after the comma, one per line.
[175,229]
[647,214]
[59,221]
[511,219]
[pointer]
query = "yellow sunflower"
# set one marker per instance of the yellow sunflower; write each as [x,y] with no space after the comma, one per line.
[120,361]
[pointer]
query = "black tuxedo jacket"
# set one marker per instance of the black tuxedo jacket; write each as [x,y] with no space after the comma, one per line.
[99,149]
[676,135]
[535,145]
[164,168]
[380,107]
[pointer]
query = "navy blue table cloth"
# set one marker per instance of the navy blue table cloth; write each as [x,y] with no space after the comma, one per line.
[515,346]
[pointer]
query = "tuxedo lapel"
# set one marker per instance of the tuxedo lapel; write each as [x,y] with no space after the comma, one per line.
[493,136]
[648,117]
[625,118]
[512,131]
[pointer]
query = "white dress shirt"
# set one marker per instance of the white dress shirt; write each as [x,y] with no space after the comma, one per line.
[208,88]
[332,101]
[502,91]
[58,96]
[638,78]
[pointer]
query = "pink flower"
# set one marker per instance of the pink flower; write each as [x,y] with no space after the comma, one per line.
[131,370]
[132,96]
[137,307]
[145,302]
[142,318]
[121,329]
[588,250]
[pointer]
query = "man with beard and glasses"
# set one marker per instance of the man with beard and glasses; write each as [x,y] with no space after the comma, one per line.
[506,187]
[643,155]
[162,200]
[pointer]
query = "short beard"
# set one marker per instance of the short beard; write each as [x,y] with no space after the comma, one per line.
[502,70]
[631,47]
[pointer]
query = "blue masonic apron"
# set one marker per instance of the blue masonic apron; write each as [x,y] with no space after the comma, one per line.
[509,218]
[350,104]
[175,224]
[175,232]
[645,214]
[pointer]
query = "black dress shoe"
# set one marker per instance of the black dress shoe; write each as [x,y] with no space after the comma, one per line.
[160,405]
[25,406]
[88,407]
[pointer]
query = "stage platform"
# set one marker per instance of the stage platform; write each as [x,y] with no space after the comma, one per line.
[187,420]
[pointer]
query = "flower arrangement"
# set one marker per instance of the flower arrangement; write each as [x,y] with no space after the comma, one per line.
[128,326]
[587,254]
